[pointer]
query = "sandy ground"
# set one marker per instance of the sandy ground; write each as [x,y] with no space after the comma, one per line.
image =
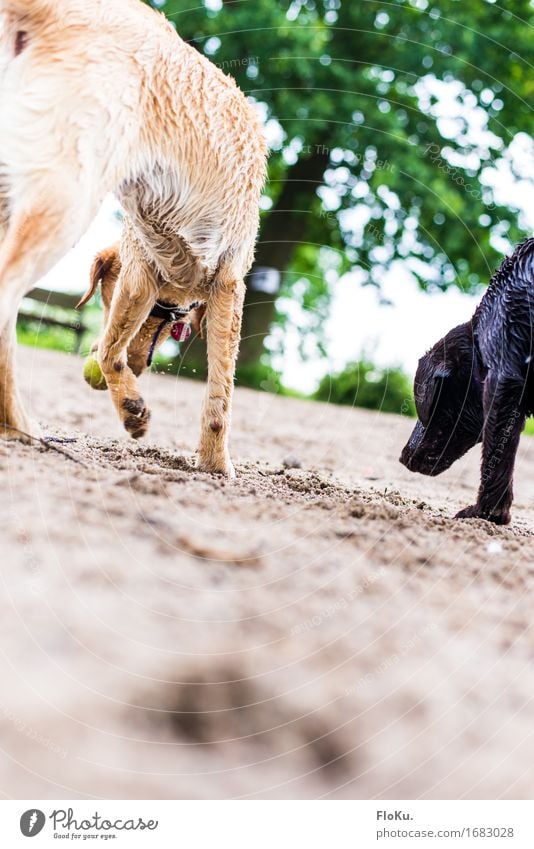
[323,631]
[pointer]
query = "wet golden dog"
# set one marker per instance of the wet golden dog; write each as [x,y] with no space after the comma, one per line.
[99,97]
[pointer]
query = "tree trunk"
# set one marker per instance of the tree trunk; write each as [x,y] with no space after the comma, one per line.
[283,230]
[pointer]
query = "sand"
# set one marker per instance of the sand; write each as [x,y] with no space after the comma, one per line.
[319,628]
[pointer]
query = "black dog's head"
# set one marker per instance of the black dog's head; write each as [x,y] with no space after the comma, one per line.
[448,399]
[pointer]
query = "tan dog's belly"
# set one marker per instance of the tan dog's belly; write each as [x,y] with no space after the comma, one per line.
[183,248]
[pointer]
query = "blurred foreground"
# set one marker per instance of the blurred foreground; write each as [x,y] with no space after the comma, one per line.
[320,627]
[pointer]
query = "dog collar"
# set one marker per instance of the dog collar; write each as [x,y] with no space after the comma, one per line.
[170,314]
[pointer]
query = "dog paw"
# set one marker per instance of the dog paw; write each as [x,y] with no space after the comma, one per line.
[216,466]
[498,517]
[138,417]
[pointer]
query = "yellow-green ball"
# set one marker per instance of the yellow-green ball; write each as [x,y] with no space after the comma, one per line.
[93,374]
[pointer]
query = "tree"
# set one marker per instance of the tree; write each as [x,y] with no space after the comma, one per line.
[363,384]
[365,170]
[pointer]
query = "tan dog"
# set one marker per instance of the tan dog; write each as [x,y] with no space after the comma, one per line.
[104,96]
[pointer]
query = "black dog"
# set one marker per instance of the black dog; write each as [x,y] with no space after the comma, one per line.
[476,385]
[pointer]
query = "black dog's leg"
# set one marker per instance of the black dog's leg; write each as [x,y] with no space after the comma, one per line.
[504,418]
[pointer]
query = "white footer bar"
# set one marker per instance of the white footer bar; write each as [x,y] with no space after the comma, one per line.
[269,824]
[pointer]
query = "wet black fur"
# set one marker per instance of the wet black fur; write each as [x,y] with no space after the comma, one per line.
[476,384]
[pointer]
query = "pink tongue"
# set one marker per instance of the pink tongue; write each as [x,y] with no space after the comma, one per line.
[181,331]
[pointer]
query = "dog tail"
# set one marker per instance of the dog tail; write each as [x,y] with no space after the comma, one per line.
[105,262]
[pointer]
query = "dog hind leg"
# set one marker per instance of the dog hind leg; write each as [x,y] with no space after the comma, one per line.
[223,323]
[33,242]
[14,422]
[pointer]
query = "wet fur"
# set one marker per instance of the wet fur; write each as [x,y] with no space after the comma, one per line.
[476,385]
[99,97]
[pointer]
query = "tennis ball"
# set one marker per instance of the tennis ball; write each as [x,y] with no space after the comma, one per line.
[93,374]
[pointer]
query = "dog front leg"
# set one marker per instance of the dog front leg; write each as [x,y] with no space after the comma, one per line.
[504,418]
[128,312]
[224,315]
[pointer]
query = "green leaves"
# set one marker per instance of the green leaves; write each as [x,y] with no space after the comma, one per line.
[352,79]
[362,384]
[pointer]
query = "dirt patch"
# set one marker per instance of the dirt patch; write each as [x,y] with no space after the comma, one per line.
[320,627]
